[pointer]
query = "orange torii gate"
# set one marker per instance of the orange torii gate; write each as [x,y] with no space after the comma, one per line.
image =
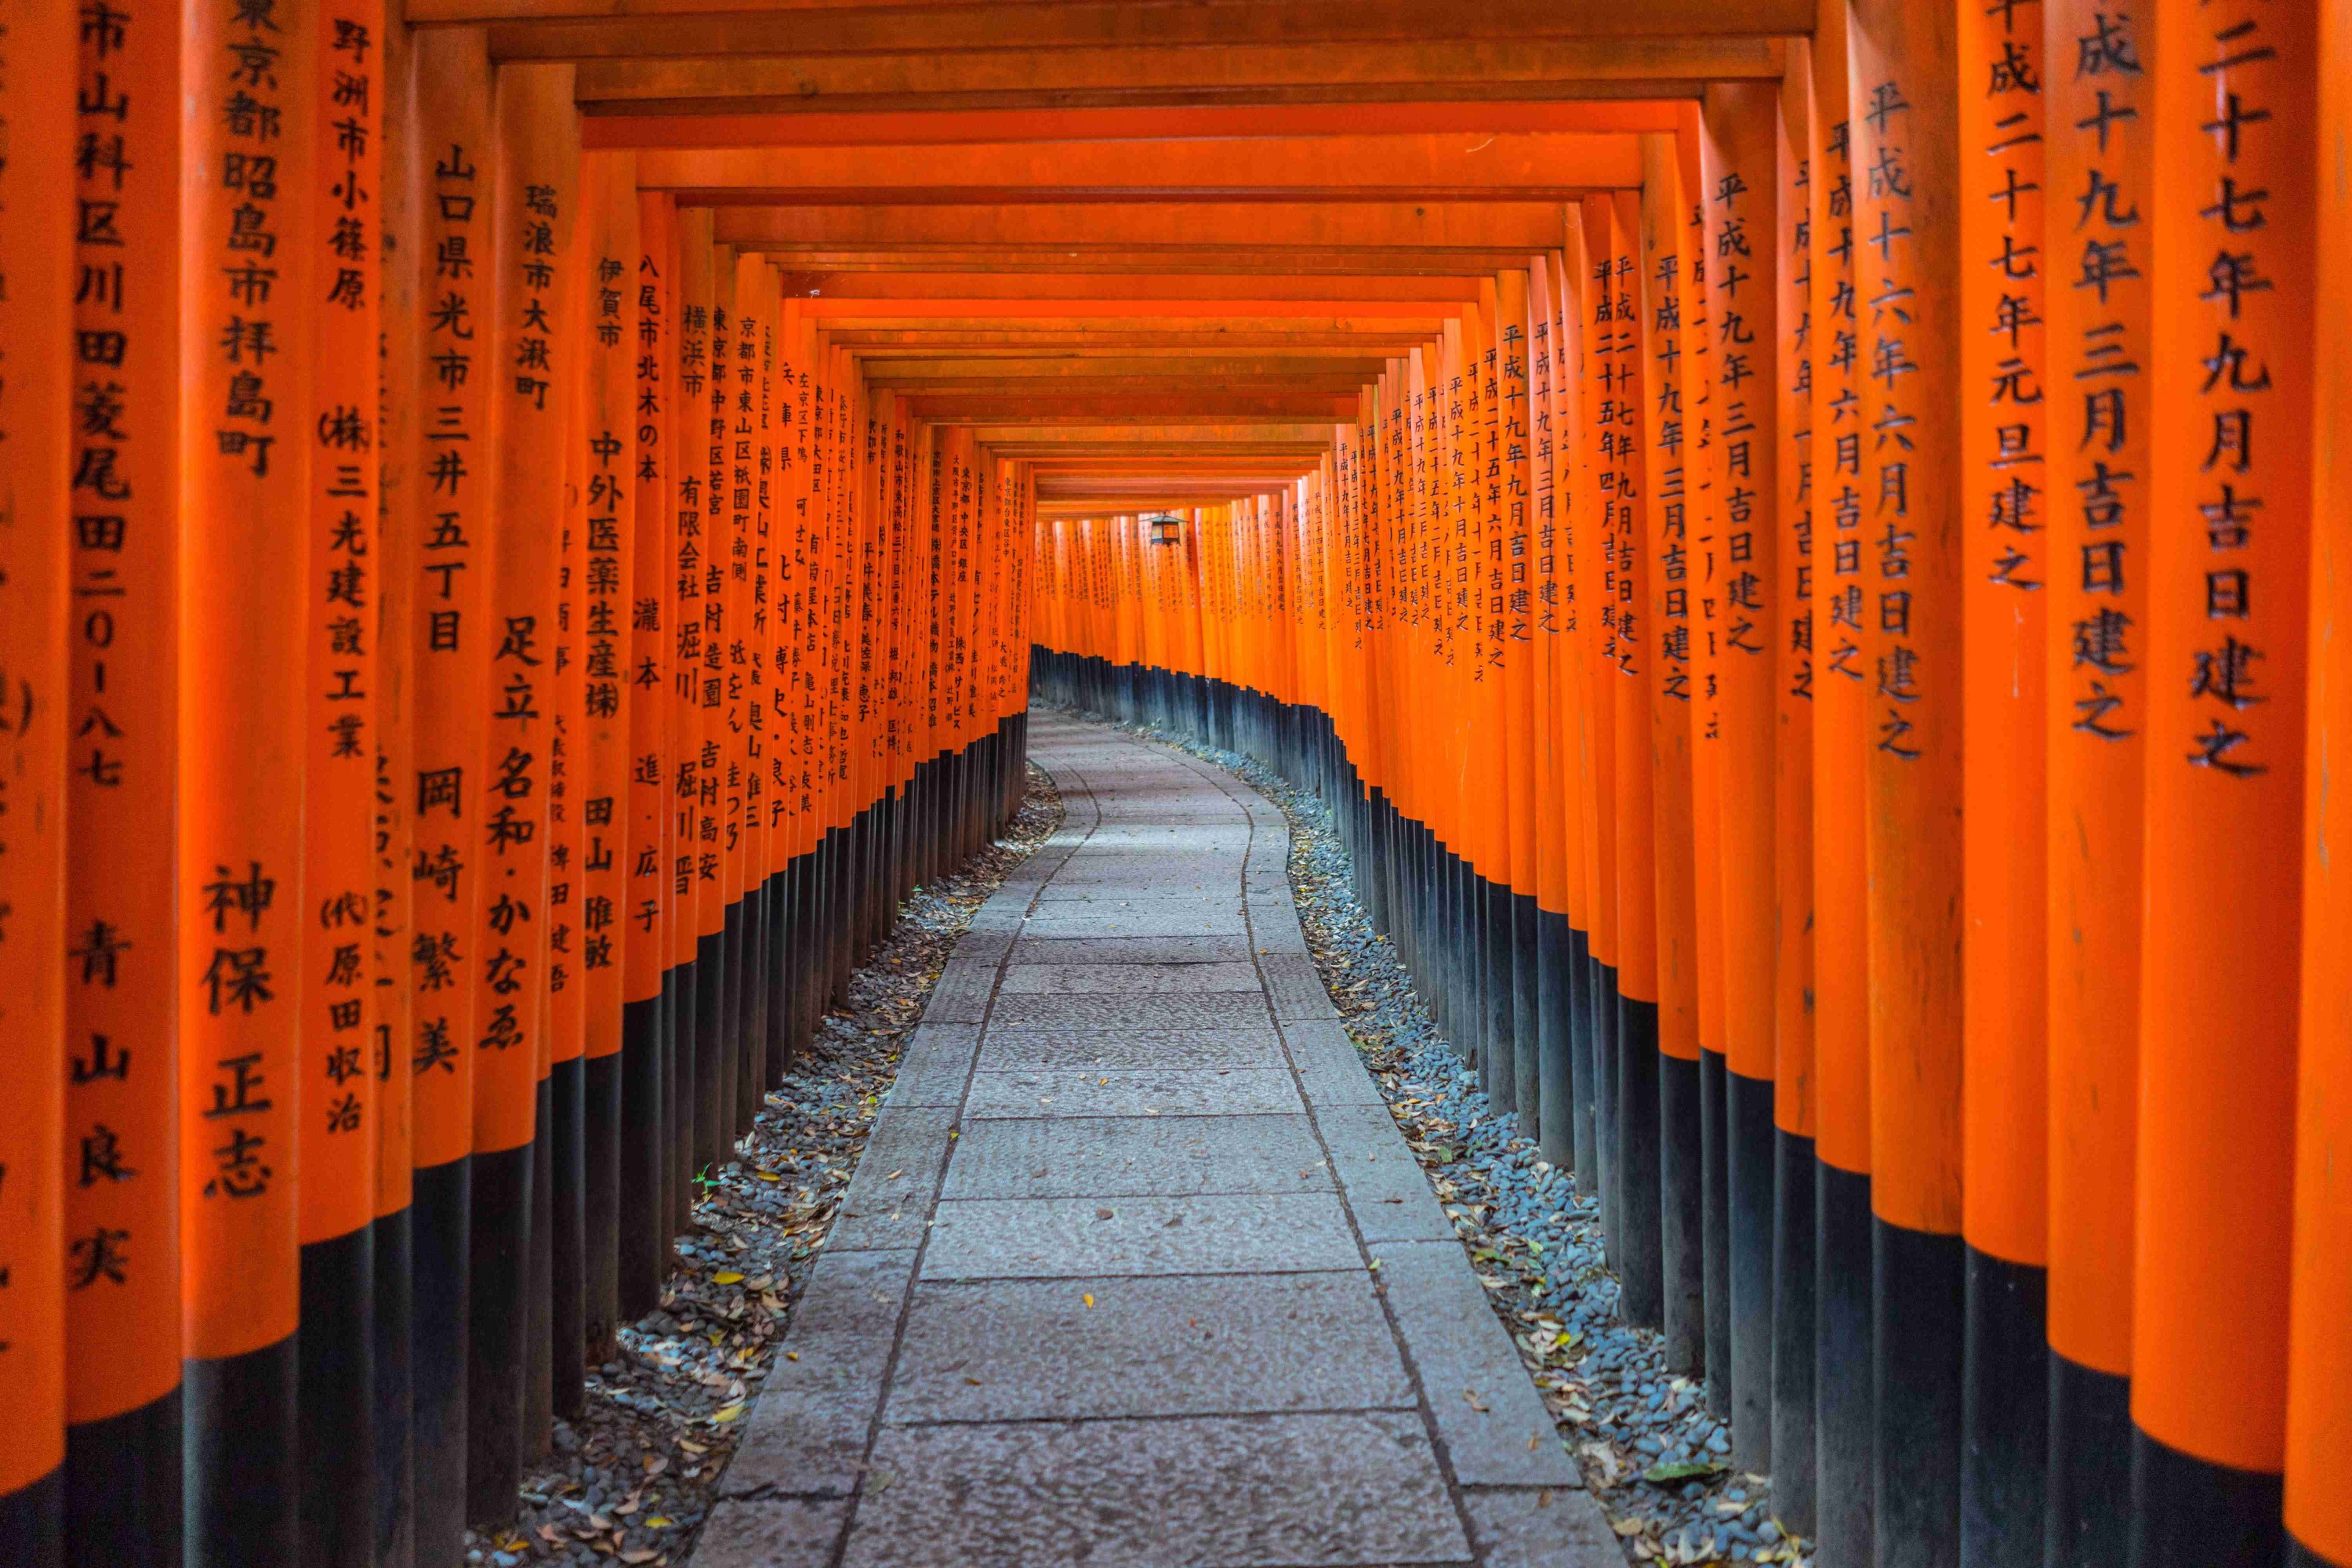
[1797,541]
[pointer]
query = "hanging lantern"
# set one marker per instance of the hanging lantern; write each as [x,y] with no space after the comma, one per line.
[1166,529]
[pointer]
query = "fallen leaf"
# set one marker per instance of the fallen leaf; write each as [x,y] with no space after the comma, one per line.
[1627,1527]
[641,1554]
[1664,1474]
[720,1417]
[727,1277]
[1089,1301]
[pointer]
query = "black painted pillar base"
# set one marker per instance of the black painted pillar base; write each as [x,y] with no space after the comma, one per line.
[1639,1257]
[1526,1022]
[242,1477]
[2004,1413]
[441,1222]
[2189,1512]
[395,1461]
[1845,1388]
[335,1373]
[1751,1144]
[1917,1282]
[1794,1495]
[499,1345]
[122,1490]
[1555,994]
[2088,1518]
[638,1248]
[32,1523]
[1715,1234]
[1682,1212]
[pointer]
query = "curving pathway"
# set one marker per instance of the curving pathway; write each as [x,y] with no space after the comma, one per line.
[1136,1271]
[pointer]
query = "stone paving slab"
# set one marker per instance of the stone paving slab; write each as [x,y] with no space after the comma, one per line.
[771,1532]
[961,994]
[1018,1050]
[1125,979]
[1541,1527]
[1229,948]
[1070,1238]
[1141,917]
[889,1195]
[937,1061]
[1203,1492]
[1387,1193]
[1295,987]
[1030,1350]
[1151,1091]
[808,1433]
[1203,1010]
[1104,1156]
[1330,1070]
[1489,1415]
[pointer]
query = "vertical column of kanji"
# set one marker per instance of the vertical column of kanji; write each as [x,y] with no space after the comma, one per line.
[1653,644]
[1906,277]
[2004,508]
[1538,517]
[247,336]
[703,944]
[1504,600]
[399,514]
[1791,635]
[1844,1400]
[2235,96]
[1699,165]
[1743,125]
[336,1133]
[560,1168]
[122,1248]
[755,301]
[532,202]
[637,239]
[2098,160]
[1631,668]
[1607,352]
[450,175]
[728,577]
[1575,507]
[2319,1512]
[618,1015]
[39,198]
[682,616]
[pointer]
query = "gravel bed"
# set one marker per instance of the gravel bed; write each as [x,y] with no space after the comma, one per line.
[1653,1455]
[633,1481]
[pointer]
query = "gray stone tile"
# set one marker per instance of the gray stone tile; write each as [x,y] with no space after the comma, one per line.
[1030,1350]
[995,917]
[1165,1010]
[1069,1238]
[1330,1072]
[1034,949]
[1387,1191]
[1015,1050]
[771,1532]
[961,994]
[1489,1415]
[1541,1527]
[1166,1155]
[988,944]
[1155,917]
[1161,1091]
[807,1432]
[1124,979]
[1296,988]
[1271,935]
[937,1061]
[889,1195]
[1206,1492]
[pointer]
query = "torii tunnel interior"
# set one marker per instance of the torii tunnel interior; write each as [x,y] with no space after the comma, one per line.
[1796,544]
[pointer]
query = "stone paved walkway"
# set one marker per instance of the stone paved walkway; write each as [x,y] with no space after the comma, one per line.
[1136,1271]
